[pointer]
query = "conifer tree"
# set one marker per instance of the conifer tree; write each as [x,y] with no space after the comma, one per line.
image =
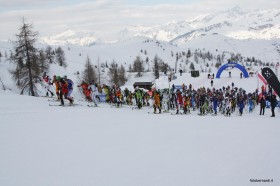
[138,66]
[192,66]
[189,54]
[117,74]
[18,72]
[43,63]
[89,73]
[147,59]
[100,72]
[156,67]
[60,57]
[218,64]
[27,71]
[113,73]
[122,76]
[196,58]
[49,54]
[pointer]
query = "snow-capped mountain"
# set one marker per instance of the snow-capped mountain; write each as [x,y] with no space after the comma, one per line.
[84,38]
[234,23]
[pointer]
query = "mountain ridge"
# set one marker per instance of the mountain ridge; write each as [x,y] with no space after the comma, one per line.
[234,23]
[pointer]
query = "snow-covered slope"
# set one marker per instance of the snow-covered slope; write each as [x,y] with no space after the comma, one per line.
[71,37]
[62,146]
[265,50]
[125,53]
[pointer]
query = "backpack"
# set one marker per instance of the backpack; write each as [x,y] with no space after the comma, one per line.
[46,79]
[70,84]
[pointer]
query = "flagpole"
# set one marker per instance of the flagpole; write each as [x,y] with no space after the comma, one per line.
[258,83]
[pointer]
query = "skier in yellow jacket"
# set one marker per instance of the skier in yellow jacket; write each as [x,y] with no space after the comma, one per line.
[157,101]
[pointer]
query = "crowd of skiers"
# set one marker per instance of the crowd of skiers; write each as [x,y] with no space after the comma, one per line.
[184,100]
[63,88]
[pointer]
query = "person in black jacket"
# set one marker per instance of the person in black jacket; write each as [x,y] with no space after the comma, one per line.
[273,102]
[262,105]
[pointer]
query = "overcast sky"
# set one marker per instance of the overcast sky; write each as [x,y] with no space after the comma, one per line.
[105,17]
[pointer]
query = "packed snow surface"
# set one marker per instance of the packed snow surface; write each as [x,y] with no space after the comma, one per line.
[63,146]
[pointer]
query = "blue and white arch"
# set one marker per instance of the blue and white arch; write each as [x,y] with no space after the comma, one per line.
[234,65]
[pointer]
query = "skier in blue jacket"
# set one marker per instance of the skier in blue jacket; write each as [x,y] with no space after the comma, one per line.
[70,86]
[251,105]
[241,105]
[215,104]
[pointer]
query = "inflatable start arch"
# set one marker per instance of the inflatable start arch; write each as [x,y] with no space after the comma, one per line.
[232,64]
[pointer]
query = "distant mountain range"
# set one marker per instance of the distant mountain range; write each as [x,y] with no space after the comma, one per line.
[83,38]
[233,23]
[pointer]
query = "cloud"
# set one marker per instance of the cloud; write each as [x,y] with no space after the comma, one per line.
[248,4]
[106,17]
[11,5]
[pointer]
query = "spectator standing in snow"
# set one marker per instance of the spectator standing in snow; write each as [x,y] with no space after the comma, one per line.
[273,102]
[190,87]
[262,105]
[181,71]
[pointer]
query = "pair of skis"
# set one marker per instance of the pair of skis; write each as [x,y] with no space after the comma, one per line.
[163,112]
[71,105]
[92,105]
[180,113]
[74,104]
[68,105]
[154,113]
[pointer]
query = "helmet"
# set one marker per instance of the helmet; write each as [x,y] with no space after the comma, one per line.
[57,78]
[65,77]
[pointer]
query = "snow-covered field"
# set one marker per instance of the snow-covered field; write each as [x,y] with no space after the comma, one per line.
[63,146]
